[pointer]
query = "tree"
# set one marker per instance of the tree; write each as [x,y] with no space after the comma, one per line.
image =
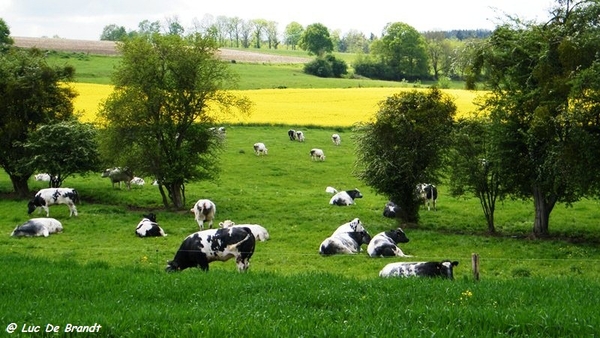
[113,32]
[404,50]
[260,26]
[544,80]
[355,42]
[63,149]
[291,35]
[168,91]
[474,167]
[147,28]
[32,93]
[5,39]
[316,40]
[272,38]
[404,146]
[174,27]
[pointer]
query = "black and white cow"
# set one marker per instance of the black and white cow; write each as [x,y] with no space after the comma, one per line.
[49,196]
[336,139]
[148,227]
[203,247]
[346,239]
[260,149]
[443,269]
[204,211]
[118,175]
[38,227]
[429,194]
[292,134]
[342,198]
[390,210]
[299,136]
[385,244]
[317,154]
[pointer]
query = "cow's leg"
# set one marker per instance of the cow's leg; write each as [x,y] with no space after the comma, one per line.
[45,207]
[73,209]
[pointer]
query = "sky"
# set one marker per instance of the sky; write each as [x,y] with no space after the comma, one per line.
[76,19]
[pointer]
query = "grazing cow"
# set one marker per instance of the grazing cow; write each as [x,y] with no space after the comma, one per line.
[443,269]
[384,244]
[260,149]
[343,198]
[429,194]
[49,196]
[390,210]
[118,175]
[204,211]
[292,134]
[38,227]
[346,239]
[299,136]
[137,181]
[148,227]
[203,247]
[259,232]
[336,139]
[317,154]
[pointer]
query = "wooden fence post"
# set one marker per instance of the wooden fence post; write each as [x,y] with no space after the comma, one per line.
[475,265]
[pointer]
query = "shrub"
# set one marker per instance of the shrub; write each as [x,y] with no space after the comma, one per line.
[327,66]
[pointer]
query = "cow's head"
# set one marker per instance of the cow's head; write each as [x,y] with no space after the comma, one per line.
[398,236]
[34,203]
[172,266]
[226,224]
[445,268]
[151,216]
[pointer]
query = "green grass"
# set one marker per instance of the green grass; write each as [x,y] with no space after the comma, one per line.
[98,271]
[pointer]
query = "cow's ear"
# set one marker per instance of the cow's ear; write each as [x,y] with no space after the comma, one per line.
[455,263]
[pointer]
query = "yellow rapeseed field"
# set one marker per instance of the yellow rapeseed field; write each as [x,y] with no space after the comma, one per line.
[324,107]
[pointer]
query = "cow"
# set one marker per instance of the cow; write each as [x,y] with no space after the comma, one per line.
[292,134]
[204,211]
[148,227]
[336,139]
[203,247]
[259,232]
[118,175]
[137,181]
[390,210]
[38,227]
[429,194]
[443,269]
[299,136]
[260,149]
[346,239]
[385,244]
[44,177]
[317,154]
[50,196]
[343,198]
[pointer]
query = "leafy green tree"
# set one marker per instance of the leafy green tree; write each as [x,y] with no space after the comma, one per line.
[292,34]
[544,80]
[316,40]
[174,27]
[63,149]
[260,27]
[32,93]
[272,38]
[404,50]
[113,32]
[168,91]
[404,146]
[5,39]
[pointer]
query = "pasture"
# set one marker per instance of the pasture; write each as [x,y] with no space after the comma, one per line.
[98,271]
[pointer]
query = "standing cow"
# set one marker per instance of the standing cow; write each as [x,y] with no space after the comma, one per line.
[429,194]
[292,134]
[203,247]
[443,269]
[118,175]
[204,211]
[50,196]
[300,136]
[260,149]
[385,244]
[346,239]
[317,154]
[336,139]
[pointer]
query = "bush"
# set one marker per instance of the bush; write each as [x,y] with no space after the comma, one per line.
[375,70]
[327,66]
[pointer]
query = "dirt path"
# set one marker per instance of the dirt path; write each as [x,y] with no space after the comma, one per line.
[108,48]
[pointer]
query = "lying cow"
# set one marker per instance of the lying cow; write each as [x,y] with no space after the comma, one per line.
[336,139]
[443,269]
[343,198]
[292,134]
[317,154]
[203,247]
[346,239]
[204,211]
[259,232]
[118,175]
[50,196]
[148,227]
[260,149]
[390,210]
[137,181]
[429,194]
[38,227]
[384,244]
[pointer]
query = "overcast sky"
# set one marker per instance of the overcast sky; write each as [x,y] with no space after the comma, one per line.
[77,19]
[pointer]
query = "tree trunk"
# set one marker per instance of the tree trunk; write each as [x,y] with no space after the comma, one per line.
[543,208]
[176,194]
[20,185]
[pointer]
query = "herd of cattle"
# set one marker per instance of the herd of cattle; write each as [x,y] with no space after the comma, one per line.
[231,240]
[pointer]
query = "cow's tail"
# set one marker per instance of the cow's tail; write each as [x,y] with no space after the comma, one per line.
[331,190]
[232,247]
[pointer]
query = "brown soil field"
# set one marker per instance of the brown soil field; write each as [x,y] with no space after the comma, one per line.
[108,48]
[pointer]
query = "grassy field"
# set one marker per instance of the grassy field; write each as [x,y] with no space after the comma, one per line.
[98,272]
